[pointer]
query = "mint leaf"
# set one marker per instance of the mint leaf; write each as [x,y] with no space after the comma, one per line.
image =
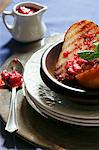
[97,35]
[88,54]
[96,46]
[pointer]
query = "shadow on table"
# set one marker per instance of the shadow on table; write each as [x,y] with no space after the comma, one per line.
[13,47]
[19,47]
[64,135]
[11,141]
[68,136]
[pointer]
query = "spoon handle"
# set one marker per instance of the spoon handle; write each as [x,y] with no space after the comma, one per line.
[12,125]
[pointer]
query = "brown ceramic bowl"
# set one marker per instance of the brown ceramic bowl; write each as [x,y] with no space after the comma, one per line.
[48,62]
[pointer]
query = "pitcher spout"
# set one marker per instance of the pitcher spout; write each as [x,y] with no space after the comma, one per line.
[43,9]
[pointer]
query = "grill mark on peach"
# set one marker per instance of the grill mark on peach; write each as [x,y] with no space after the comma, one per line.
[80,32]
[79,29]
[77,37]
[70,46]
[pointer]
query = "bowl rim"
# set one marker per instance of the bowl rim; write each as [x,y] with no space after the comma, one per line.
[58,83]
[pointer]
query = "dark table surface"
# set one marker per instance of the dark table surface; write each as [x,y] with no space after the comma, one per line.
[59,16]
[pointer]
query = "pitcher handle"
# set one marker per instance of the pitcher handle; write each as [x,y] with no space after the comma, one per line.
[4,14]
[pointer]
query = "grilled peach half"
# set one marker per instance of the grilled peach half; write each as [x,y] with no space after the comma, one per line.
[89,78]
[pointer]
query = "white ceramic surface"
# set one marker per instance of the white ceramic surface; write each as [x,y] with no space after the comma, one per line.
[48,113]
[26,28]
[53,103]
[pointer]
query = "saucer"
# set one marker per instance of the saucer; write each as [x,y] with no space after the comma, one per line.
[54,104]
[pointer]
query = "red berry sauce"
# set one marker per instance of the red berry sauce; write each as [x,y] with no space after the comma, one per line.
[26,10]
[12,79]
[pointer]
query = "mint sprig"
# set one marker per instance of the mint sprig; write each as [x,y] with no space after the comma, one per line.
[90,54]
[96,46]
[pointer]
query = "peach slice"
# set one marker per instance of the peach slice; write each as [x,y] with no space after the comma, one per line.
[89,78]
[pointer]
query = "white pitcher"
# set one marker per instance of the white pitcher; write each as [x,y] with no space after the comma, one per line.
[26,27]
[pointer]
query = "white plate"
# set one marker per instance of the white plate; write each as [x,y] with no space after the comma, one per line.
[47,113]
[48,99]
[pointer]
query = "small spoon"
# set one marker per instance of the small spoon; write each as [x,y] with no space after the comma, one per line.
[12,124]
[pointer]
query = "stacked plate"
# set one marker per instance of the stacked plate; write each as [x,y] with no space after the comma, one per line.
[51,104]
